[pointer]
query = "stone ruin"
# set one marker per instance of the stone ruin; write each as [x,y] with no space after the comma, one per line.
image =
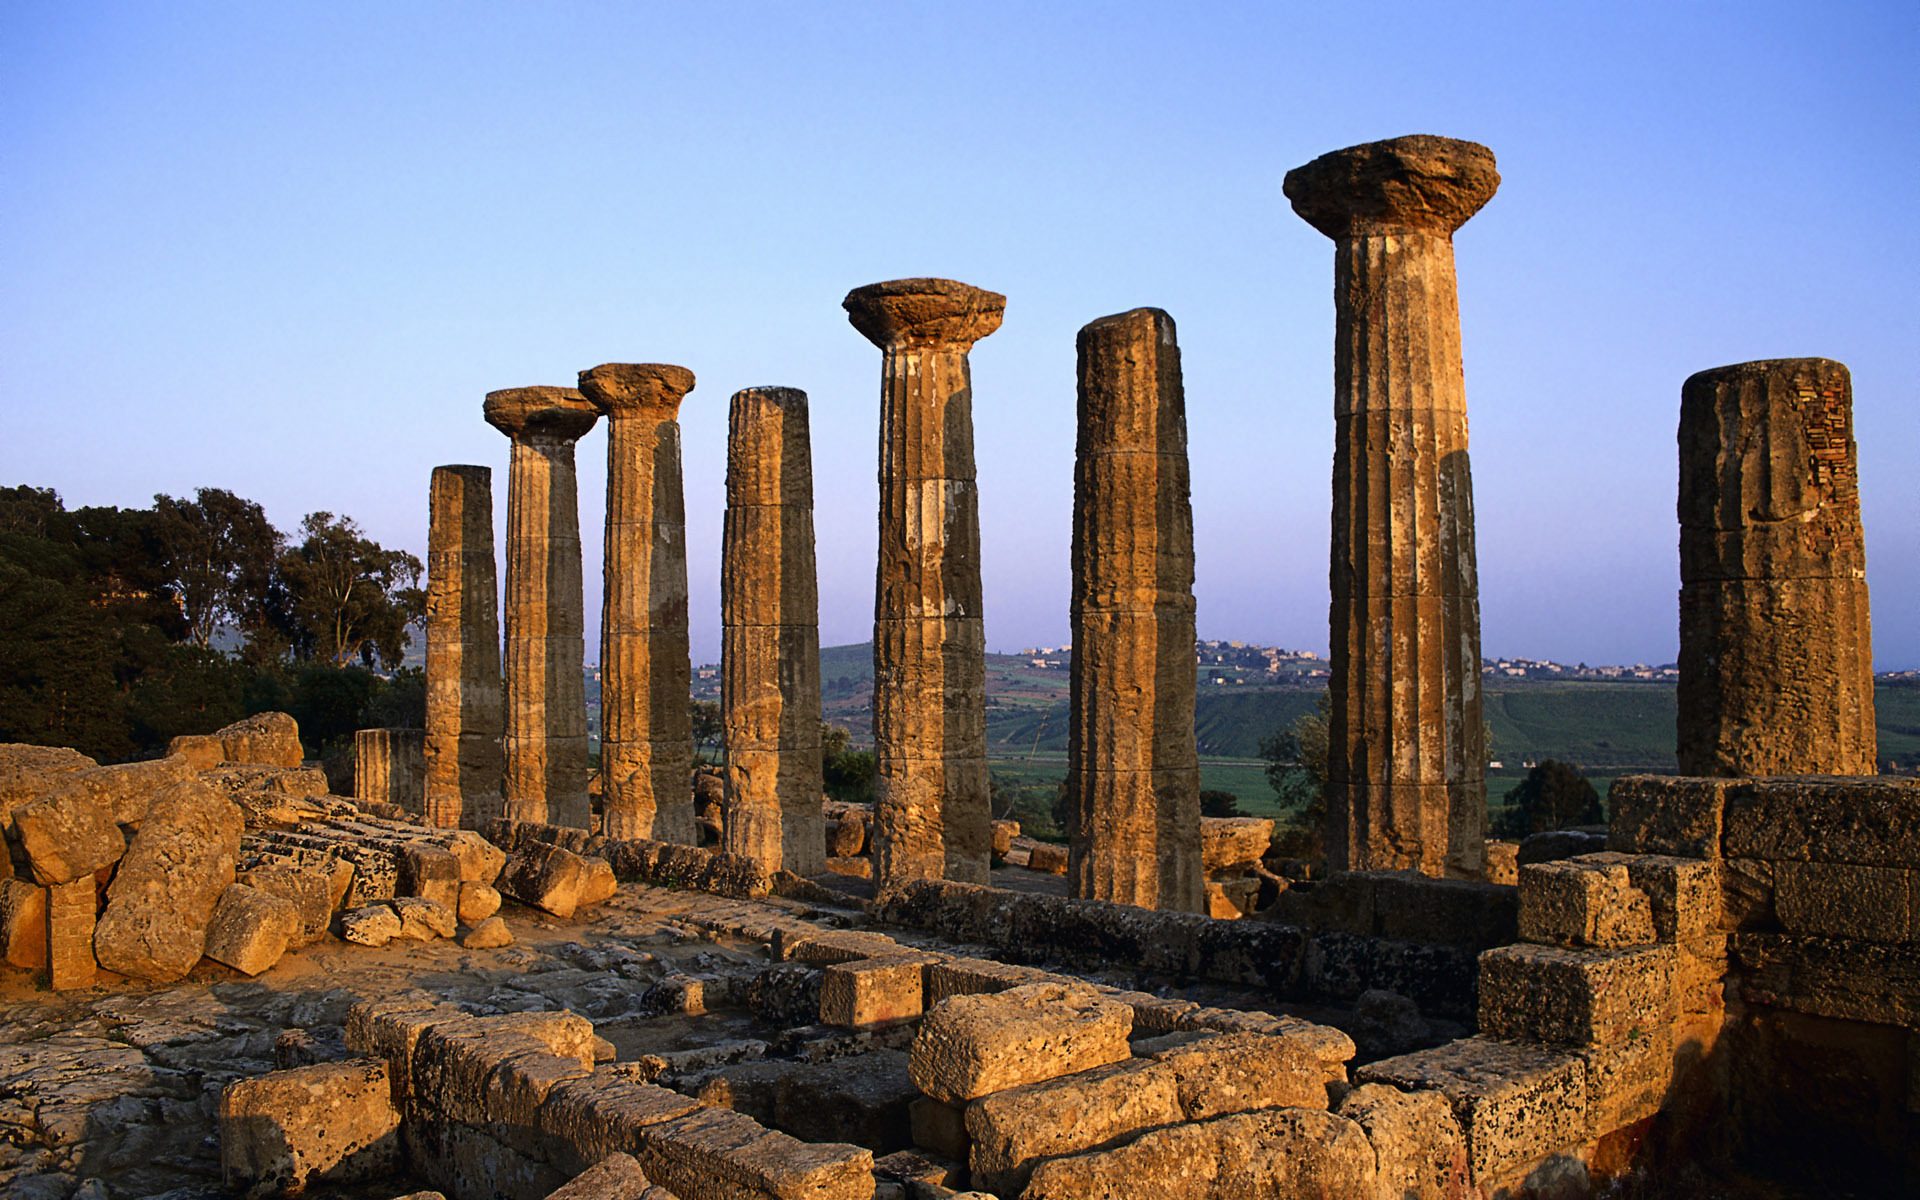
[463,980]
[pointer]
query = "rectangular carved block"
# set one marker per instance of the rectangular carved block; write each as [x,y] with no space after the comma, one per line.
[1831,977]
[1873,904]
[1661,814]
[71,909]
[1870,821]
[1579,902]
[1583,997]
[873,992]
[1013,1130]
[1514,1101]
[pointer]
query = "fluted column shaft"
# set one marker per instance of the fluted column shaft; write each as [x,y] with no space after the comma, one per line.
[1776,643]
[770,636]
[1133,768]
[646,672]
[932,817]
[545,739]
[463,651]
[1406,738]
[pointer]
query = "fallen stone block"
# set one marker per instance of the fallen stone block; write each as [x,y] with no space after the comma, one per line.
[970,1046]
[940,1127]
[1503,863]
[23,924]
[851,868]
[203,751]
[480,860]
[332,1123]
[490,934]
[1514,1101]
[846,838]
[615,1177]
[424,920]
[1237,1072]
[1003,834]
[1418,1147]
[68,834]
[599,884]
[429,872]
[477,902]
[71,909]
[164,893]
[374,925]
[30,772]
[1580,902]
[545,877]
[1288,1152]
[862,1100]
[1047,858]
[714,1154]
[1012,1131]
[250,929]
[1581,997]
[871,993]
[748,1088]
[1233,844]
[269,739]
[919,1174]
[309,890]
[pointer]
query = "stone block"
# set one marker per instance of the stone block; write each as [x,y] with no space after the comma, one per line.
[1627,1080]
[1503,863]
[1280,1152]
[975,976]
[1012,1131]
[67,835]
[1514,1101]
[919,1173]
[748,1088]
[1003,834]
[1047,858]
[496,1070]
[1237,1072]
[1580,997]
[1418,1147]
[127,789]
[1699,970]
[202,751]
[270,739]
[250,929]
[1663,814]
[1871,904]
[615,1177]
[822,946]
[599,884]
[465,1161]
[1233,843]
[423,920]
[308,889]
[490,934]
[477,902]
[328,1124]
[1870,821]
[1577,902]
[155,924]
[1746,894]
[1231,899]
[29,772]
[545,877]
[23,924]
[940,1127]
[971,1046]
[861,1099]
[71,909]
[1684,893]
[373,925]
[1830,977]
[1556,844]
[430,872]
[390,1028]
[587,1118]
[714,1154]
[480,860]
[1411,907]
[871,993]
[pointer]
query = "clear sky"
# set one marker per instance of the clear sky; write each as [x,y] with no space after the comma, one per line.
[286,249]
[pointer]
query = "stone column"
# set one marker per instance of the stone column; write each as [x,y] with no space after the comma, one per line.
[546,711]
[770,636]
[463,651]
[388,766]
[1776,647]
[1407,747]
[646,672]
[931,815]
[1133,769]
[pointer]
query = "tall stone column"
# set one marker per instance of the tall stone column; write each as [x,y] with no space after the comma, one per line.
[1776,646]
[931,814]
[770,635]
[463,651]
[646,672]
[1407,748]
[1133,768]
[546,710]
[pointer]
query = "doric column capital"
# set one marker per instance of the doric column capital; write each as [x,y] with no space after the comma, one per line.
[924,313]
[1415,184]
[555,411]
[620,389]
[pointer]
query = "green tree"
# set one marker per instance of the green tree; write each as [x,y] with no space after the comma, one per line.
[348,597]
[1297,771]
[1219,804]
[1554,795]
[708,726]
[218,553]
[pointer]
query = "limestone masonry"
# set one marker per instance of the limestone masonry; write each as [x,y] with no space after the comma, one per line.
[464,697]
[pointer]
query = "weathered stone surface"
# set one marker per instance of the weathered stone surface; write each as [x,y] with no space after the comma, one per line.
[71,909]
[546,877]
[372,925]
[929,703]
[423,920]
[1514,1101]
[308,890]
[970,1046]
[595,1115]
[126,789]
[389,767]
[714,1154]
[30,772]
[489,934]
[939,1127]
[1047,858]
[23,924]
[1660,814]
[477,902]
[646,749]
[1420,1152]
[250,929]
[269,739]
[1580,902]
[1285,1152]
[1776,665]
[1407,760]
[1235,1072]
[1133,775]
[462,752]
[68,834]
[615,1177]
[165,890]
[545,734]
[1012,1130]
[599,885]
[770,638]
[871,993]
[1868,822]
[861,1099]
[480,860]
[1628,1079]
[332,1123]
[1584,997]
[1830,977]
[1234,843]
[430,872]
[1874,904]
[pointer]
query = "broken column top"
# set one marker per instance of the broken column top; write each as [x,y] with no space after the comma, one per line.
[1418,183]
[616,388]
[562,412]
[1813,370]
[903,313]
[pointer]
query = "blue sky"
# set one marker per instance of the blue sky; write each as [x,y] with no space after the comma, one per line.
[286,249]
